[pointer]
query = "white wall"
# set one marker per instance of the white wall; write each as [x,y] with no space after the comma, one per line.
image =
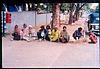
[28,17]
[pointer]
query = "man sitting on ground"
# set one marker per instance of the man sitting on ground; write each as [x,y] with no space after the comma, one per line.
[16,33]
[78,34]
[64,37]
[27,32]
[41,33]
[48,29]
[54,37]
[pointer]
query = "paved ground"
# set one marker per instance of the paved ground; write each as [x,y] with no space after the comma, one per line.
[49,54]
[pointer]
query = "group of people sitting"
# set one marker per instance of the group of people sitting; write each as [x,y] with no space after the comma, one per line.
[22,34]
[53,35]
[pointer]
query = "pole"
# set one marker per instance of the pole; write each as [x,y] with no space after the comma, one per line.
[2,23]
[52,15]
[46,14]
[35,14]
[35,18]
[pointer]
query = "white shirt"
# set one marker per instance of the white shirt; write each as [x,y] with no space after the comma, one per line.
[42,33]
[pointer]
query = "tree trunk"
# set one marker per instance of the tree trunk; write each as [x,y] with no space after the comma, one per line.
[71,13]
[56,15]
[70,18]
[78,8]
[76,15]
[24,7]
[29,9]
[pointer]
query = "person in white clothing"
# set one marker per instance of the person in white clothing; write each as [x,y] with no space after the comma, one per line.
[26,33]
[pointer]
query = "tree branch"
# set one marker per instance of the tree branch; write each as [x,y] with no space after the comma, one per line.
[81,6]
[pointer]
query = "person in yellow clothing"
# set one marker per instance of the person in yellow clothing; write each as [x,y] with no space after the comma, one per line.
[54,36]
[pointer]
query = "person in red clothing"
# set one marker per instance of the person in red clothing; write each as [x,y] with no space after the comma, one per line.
[92,37]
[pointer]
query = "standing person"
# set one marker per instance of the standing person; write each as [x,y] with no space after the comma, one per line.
[16,33]
[41,33]
[91,20]
[54,37]
[78,34]
[86,26]
[48,32]
[92,37]
[64,37]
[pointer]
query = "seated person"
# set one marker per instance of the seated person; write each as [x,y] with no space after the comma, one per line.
[27,33]
[64,37]
[16,34]
[92,37]
[24,26]
[48,32]
[24,31]
[30,30]
[41,33]
[77,34]
[54,37]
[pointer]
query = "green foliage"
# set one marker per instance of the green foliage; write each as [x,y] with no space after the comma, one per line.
[97,9]
[40,6]
[87,7]
[48,7]
[64,7]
